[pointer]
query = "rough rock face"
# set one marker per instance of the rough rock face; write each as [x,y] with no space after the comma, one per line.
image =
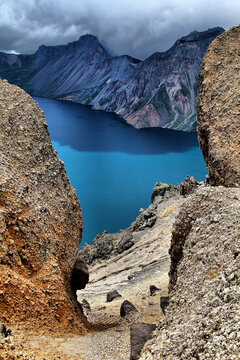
[218,109]
[157,92]
[40,220]
[203,317]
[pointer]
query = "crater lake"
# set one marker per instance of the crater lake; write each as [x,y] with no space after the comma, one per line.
[113,166]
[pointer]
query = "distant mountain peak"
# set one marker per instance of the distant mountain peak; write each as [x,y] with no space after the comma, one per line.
[89,41]
[88,37]
[199,35]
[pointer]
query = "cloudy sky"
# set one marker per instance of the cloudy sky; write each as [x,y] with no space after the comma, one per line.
[134,27]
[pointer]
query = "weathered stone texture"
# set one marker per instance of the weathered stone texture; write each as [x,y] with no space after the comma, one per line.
[40,220]
[218,109]
[203,317]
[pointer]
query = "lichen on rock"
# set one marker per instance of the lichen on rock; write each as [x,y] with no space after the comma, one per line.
[40,220]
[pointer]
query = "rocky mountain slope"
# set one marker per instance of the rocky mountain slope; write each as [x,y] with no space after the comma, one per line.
[40,221]
[157,92]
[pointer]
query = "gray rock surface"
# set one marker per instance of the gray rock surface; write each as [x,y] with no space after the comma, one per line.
[203,317]
[132,271]
[162,191]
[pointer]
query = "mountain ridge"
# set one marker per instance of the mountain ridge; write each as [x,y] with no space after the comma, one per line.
[159,91]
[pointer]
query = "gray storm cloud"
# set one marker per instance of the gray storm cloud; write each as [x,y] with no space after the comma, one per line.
[133,27]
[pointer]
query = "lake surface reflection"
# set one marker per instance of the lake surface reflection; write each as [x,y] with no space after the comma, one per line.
[113,166]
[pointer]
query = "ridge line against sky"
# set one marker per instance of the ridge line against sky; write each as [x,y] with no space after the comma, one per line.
[134,27]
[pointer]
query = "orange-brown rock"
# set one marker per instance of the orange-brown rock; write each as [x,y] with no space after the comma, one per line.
[218,109]
[40,221]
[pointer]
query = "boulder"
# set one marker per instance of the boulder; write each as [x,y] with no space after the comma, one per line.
[125,243]
[140,333]
[218,109]
[153,289]
[126,308]
[3,331]
[40,221]
[111,295]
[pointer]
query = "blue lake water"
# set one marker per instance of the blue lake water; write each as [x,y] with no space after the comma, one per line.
[113,166]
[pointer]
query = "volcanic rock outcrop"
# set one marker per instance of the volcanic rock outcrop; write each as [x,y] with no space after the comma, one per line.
[218,109]
[157,92]
[40,221]
[203,317]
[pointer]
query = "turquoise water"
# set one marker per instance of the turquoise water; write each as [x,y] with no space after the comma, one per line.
[113,166]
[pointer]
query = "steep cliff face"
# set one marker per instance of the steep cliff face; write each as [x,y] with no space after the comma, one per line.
[40,220]
[218,109]
[157,92]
